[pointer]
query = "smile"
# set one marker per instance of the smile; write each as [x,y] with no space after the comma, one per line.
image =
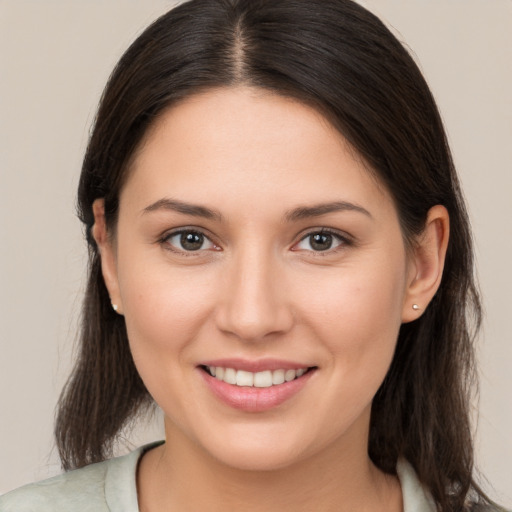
[262,379]
[255,386]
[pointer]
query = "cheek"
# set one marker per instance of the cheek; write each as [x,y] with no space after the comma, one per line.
[356,314]
[357,298]
[357,323]
[164,312]
[164,308]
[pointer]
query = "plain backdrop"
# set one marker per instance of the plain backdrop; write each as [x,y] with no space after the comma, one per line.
[55,56]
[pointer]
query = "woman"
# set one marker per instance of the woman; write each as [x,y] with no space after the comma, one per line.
[281,260]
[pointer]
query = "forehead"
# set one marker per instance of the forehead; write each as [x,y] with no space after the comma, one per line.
[248,143]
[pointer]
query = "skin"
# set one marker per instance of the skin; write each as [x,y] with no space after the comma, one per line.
[257,289]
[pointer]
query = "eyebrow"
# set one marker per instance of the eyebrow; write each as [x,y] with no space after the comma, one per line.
[306,212]
[184,208]
[299,213]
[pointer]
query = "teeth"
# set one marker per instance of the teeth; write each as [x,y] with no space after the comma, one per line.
[278,377]
[290,375]
[230,376]
[244,378]
[263,379]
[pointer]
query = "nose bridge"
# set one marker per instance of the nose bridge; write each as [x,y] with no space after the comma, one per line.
[254,302]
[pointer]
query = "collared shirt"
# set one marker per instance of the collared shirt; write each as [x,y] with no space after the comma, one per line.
[110,486]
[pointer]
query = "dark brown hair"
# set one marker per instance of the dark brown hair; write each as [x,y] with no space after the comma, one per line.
[342,60]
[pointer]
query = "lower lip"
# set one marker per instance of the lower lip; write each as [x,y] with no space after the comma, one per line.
[252,399]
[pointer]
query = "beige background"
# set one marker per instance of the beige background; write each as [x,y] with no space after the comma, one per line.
[55,56]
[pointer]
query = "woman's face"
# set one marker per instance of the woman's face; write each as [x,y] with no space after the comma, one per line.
[252,240]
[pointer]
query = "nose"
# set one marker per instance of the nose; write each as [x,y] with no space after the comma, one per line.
[254,301]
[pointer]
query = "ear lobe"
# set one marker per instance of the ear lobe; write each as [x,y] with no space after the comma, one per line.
[107,254]
[427,263]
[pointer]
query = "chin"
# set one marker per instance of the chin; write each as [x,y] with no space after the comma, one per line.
[265,447]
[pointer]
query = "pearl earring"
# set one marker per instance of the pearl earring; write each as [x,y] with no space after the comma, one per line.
[114,307]
[415,307]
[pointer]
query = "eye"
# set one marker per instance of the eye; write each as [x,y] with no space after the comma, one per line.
[320,241]
[189,241]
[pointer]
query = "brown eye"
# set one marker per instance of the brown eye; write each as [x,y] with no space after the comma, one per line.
[189,241]
[320,241]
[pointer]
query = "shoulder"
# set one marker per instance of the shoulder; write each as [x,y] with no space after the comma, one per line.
[71,491]
[418,499]
[108,486]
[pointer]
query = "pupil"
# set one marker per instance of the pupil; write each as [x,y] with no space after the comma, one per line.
[191,241]
[321,241]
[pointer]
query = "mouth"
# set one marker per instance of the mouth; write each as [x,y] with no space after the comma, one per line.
[260,379]
[255,387]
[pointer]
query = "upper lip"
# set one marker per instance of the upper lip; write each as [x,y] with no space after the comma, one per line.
[257,365]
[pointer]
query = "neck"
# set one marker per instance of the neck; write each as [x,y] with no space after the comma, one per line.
[181,476]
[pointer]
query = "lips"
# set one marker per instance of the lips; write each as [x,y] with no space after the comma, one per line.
[255,386]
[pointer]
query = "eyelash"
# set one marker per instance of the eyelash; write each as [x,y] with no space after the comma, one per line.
[342,239]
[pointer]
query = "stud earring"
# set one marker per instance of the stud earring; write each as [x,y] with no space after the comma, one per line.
[415,307]
[114,307]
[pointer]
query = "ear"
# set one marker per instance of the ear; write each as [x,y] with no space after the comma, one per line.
[426,263]
[107,254]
